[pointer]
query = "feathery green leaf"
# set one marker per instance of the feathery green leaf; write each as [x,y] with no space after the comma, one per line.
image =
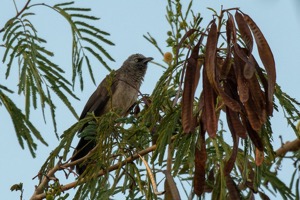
[63,4]
[97,30]
[77,9]
[94,34]
[84,16]
[98,57]
[90,69]
[100,48]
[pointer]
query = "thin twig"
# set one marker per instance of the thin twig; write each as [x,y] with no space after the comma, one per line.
[15,6]
[17,15]
[229,9]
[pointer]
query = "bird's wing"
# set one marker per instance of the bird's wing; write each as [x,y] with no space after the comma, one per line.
[100,97]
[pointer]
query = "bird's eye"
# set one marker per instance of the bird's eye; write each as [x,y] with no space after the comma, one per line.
[136,60]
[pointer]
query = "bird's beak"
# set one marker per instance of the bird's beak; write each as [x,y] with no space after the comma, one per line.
[146,60]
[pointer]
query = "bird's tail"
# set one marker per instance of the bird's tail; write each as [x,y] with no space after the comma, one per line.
[83,148]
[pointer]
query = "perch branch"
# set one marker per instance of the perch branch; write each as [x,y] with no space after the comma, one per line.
[38,194]
[288,146]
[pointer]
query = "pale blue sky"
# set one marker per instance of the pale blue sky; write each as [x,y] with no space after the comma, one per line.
[127,21]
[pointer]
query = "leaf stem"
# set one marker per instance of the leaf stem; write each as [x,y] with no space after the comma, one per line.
[17,15]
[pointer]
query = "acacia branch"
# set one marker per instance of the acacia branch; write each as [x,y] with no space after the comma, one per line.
[17,15]
[40,188]
[38,194]
[288,146]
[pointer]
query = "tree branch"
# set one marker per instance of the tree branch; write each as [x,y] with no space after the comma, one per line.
[38,194]
[288,146]
[17,15]
[40,188]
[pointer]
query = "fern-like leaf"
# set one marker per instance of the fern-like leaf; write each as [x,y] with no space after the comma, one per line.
[86,39]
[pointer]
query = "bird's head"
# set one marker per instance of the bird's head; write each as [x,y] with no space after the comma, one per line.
[138,61]
[135,67]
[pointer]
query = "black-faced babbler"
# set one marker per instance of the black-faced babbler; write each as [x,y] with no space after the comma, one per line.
[118,92]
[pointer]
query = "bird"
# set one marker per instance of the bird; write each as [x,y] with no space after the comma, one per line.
[118,91]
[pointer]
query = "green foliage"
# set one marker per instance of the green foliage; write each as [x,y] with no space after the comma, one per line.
[54,192]
[22,125]
[86,39]
[289,106]
[39,77]
[160,123]
[114,144]
[113,165]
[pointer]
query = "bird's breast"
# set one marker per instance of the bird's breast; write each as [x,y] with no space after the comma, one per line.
[123,98]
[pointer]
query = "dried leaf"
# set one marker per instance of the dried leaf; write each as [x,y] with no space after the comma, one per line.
[236,47]
[235,124]
[258,99]
[229,30]
[252,115]
[230,85]
[210,54]
[256,140]
[227,63]
[227,99]
[233,190]
[251,196]
[266,56]
[211,176]
[259,157]
[247,170]
[263,196]
[200,163]
[245,31]
[201,103]
[249,68]
[152,179]
[264,82]
[191,80]
[230,163]
[242,83]
[136,110]
[209,115]
[186,35]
